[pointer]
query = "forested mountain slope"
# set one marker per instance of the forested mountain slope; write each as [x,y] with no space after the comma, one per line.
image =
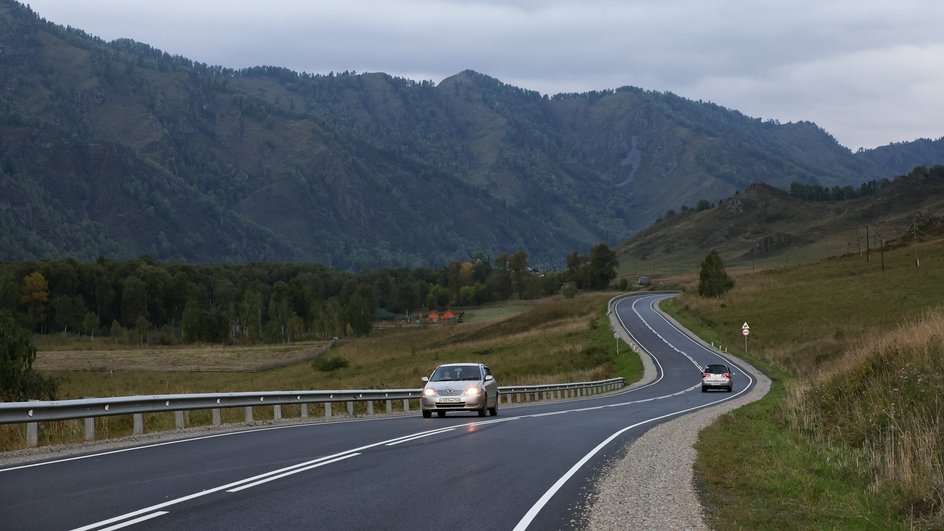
[119,149]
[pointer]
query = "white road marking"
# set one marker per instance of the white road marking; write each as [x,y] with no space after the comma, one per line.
[135,521]
[286,474]
[282,472]
[419,436]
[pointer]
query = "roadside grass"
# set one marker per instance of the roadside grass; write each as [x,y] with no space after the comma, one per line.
[851,435]
[759,475]
[547,341]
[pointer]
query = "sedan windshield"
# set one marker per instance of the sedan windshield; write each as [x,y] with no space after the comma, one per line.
[457,372]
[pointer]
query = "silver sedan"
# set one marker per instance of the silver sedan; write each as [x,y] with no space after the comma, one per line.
[460,387]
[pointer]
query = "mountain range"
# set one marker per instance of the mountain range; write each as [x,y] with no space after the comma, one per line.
[118,149]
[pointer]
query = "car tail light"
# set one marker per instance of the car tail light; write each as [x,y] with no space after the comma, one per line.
[727,375]
[705,375]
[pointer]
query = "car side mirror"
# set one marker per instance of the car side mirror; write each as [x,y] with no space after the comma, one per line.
[489,377]
[425,378]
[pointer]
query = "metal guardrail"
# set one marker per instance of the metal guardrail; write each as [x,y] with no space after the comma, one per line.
[33,412]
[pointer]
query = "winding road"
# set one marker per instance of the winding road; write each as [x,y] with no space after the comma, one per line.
[530,467]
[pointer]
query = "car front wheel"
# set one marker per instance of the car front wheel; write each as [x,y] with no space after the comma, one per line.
[427,414]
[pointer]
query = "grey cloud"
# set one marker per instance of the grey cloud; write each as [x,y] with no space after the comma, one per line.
[858,68]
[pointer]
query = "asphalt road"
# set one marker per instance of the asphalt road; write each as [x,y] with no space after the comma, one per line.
[531,466]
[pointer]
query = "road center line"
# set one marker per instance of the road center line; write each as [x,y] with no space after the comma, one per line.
[286,474]
[135,521]
[420,436]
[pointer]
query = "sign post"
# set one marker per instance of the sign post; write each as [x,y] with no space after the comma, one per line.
[745,331]
[616,335]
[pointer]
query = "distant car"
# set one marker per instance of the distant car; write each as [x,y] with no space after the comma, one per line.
[460,387]
[716,375]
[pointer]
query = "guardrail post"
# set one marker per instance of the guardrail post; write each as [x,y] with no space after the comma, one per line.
[89,429]
[327,409]
[350,407]
[305,410]
[370,407]
[406,405]
[32,434]
[248,414]
[217,417]
[389,406]
[138,423]
[179,419]
[277,412]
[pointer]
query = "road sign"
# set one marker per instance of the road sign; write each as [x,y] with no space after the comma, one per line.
[745,327]
[745,331]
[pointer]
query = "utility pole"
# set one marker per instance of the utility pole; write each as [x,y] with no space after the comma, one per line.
[868,247]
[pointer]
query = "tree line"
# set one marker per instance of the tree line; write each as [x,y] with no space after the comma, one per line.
[143,301]
[818,192]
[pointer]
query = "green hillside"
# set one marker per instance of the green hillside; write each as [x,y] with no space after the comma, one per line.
[766,227]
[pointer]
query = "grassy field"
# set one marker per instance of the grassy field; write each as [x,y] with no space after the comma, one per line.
[851,437]
[533,342]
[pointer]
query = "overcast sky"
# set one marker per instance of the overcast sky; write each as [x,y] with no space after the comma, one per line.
[870,72]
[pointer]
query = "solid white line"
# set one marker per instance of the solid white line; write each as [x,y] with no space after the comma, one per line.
[493,421]
[420,436]
[296,471]
[552,413]
[135,521]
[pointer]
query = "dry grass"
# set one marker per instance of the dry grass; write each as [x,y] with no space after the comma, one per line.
[212,358]
[884,400]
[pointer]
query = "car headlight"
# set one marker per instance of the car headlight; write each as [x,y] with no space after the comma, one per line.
[429,391]
[473,391]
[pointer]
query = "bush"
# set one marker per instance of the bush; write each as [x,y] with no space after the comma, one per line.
[18,380]
[329,363]
[569,290]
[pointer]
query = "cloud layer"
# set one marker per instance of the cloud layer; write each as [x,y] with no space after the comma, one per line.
[870,72]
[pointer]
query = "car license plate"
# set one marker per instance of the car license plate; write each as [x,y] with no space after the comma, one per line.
[449,400]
